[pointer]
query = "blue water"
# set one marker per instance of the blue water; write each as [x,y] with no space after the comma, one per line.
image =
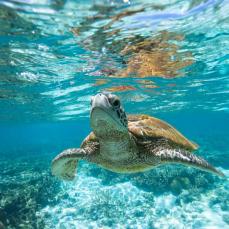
[167,59]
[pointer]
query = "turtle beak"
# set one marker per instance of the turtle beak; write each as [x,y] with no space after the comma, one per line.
[100,101]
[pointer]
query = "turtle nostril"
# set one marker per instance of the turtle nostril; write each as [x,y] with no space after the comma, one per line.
[92,98]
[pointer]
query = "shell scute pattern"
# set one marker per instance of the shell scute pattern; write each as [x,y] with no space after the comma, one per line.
[147,127]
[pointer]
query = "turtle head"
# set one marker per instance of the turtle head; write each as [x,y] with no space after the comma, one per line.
[108,118]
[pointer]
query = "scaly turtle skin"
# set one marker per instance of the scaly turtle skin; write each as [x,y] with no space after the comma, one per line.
[127,145]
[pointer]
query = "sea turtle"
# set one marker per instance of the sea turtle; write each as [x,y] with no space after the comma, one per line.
[127,144]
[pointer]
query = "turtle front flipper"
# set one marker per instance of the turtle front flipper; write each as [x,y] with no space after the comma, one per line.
[181,156]
[64,165]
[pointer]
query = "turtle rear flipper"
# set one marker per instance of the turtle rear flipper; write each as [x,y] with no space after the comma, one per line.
[64,165]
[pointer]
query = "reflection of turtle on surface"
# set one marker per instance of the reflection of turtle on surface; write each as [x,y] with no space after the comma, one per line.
[127,145]
[134,55]
[152,57]
[155,57]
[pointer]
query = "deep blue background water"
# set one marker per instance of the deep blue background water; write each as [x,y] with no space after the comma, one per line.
[54,55]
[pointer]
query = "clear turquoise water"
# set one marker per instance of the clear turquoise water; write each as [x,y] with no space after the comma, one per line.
[54,55]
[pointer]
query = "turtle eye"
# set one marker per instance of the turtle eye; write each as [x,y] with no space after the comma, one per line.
[116,103]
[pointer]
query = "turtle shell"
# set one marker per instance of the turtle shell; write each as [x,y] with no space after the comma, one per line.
[149,128]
